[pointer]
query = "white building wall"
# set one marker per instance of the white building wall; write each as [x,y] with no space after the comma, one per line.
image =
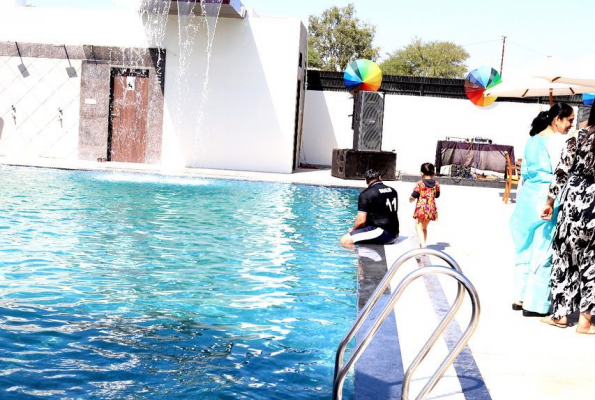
[327,126]
[413,125]
[248,119]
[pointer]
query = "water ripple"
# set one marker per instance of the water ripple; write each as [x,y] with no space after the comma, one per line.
[134,286]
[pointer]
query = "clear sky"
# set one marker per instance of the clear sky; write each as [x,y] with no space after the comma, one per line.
[534,28]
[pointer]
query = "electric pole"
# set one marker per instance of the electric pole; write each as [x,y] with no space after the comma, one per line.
[502,59]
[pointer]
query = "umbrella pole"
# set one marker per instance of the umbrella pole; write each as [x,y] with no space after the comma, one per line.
[551,98]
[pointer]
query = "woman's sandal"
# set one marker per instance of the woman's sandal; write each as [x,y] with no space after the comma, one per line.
[550,321]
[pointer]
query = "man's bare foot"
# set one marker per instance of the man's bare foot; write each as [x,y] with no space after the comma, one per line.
[346,241]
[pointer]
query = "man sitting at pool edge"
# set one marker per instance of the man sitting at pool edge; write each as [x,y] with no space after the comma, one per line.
[377,221]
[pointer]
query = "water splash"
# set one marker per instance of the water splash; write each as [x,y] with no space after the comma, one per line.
[188,26]
[210,10]
[155,13]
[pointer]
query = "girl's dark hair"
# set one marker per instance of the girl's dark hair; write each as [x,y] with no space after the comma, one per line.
[591,121]
[428,168]
[545,118]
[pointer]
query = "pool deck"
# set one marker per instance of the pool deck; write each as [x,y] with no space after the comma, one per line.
[516,357]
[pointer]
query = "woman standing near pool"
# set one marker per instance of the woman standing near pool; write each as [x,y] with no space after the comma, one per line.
[573,274]
[532,235]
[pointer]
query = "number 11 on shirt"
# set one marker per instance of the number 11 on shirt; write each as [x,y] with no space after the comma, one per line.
[392,204]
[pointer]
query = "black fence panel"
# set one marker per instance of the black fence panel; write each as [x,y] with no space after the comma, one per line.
[418,86]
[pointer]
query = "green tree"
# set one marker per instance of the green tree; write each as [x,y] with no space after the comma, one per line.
[337,38]
[430,59]
[314,59]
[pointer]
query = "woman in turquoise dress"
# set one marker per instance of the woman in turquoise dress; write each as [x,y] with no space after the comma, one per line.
[532,235]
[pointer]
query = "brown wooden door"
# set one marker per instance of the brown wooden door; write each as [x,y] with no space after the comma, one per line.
[128,136]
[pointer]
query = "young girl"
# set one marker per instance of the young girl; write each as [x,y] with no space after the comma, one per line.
[426,192]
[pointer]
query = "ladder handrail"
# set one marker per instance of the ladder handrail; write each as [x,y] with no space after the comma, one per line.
[474,320]
[384,283]
[342,374]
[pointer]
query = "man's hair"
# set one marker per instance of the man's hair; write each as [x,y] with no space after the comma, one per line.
[371,174]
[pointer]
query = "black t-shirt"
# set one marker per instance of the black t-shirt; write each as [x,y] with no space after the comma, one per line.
[380,203]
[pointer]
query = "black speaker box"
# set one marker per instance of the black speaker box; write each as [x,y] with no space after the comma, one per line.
[351,164]
[368,120]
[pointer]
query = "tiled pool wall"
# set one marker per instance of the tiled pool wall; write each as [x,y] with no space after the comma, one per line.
[57,101]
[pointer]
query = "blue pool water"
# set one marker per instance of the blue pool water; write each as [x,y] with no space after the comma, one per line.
[139,286]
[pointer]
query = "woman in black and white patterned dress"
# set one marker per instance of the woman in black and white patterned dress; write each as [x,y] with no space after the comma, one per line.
[573,272]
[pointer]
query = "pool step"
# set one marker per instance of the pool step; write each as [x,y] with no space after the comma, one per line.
[379,372]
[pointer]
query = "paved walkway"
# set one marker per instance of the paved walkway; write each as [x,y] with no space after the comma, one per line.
[519,358]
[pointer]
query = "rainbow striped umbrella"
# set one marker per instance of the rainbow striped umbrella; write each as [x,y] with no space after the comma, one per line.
[478,81]
[362,75]
[588,98]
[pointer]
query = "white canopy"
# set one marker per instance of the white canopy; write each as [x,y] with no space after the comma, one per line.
[577,72]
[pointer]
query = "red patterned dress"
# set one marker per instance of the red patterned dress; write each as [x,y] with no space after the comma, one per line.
[426,192]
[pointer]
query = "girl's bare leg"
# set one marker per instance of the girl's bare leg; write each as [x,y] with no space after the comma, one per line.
[425,224]
[419,229]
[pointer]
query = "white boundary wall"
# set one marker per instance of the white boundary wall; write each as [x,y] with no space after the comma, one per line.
[249,117]
[413,125]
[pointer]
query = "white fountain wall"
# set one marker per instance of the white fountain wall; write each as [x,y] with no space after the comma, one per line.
[249,117]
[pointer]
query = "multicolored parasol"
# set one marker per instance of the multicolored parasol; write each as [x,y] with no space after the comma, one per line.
[362,75]
[588,98]
[478,81]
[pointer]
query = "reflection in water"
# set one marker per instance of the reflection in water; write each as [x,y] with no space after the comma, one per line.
[122,285]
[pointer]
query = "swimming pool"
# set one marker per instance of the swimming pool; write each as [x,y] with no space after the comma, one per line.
[123,285]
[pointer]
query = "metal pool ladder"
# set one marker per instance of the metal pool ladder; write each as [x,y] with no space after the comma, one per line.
[454,272]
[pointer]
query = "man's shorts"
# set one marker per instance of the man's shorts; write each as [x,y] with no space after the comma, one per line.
[372,235]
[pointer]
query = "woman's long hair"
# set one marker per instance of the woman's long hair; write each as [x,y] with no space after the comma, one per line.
[545,118]
[591,126]
[591,120]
